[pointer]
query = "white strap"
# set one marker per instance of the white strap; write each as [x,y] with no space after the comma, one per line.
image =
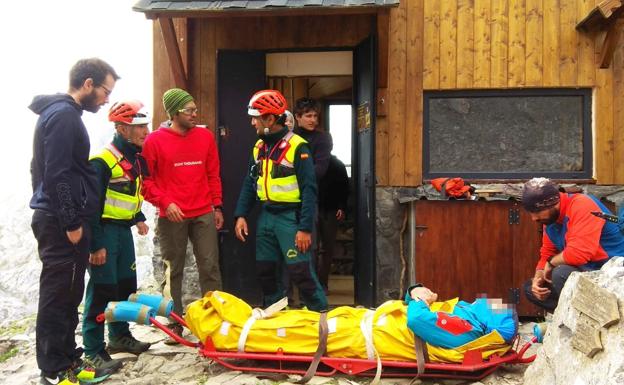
[367,331]
[257,314]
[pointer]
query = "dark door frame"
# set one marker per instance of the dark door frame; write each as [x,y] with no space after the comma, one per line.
[364,293]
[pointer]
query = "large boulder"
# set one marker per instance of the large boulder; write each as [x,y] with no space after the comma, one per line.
[559,360]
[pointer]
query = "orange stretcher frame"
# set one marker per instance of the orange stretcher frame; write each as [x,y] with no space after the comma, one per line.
[473,366]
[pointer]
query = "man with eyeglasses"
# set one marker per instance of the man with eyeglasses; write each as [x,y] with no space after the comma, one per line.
[65,196]
[184,184]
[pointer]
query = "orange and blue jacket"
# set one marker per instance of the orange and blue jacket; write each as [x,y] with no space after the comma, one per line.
[585,239]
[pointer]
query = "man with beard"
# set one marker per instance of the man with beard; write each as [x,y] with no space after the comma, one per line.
[64,197]
[112,272]
[184,184]
[574,238]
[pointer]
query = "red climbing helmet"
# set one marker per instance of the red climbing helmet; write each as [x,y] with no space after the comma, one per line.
[267,102]
[128,112]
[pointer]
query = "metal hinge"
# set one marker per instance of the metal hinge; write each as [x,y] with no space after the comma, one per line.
[514,216]
[514,295]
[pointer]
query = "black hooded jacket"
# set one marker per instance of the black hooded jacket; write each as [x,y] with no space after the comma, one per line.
[64,183]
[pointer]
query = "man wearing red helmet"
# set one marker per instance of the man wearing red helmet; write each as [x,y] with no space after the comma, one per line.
[281,175]
[112,265]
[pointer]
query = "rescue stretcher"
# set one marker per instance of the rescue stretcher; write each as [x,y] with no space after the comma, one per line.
[259,335]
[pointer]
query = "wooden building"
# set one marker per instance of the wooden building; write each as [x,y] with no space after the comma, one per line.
[491,90]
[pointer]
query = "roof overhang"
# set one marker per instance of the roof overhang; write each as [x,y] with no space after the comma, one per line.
[239,8]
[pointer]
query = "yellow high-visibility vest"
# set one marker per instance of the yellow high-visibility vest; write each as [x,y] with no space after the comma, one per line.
[277,180]
[123,195]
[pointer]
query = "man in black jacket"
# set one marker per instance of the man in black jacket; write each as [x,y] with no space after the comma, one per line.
[332,201]
[64,197]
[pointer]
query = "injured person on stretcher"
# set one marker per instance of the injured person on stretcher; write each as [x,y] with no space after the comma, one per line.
[450,328]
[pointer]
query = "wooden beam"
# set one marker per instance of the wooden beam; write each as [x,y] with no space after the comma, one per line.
[597,17]
[609,43]
[173,51]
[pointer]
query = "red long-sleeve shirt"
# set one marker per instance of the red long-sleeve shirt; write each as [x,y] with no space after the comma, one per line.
[183,169]
[582,232]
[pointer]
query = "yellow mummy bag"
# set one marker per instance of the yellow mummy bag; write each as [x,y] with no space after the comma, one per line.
[353,332]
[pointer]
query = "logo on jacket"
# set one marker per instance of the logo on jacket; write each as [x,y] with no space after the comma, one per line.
[453,324]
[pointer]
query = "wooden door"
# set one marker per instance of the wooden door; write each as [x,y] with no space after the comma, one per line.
[470,248]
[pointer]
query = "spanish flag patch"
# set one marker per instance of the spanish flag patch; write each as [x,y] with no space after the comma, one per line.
[304,156]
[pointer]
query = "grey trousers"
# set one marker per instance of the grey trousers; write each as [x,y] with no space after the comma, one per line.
[173,240]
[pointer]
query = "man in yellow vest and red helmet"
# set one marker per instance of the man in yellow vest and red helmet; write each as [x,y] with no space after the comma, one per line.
[112,264]
[281,175]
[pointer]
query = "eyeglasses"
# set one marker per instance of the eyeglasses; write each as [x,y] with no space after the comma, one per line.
[188,111]
[107,92]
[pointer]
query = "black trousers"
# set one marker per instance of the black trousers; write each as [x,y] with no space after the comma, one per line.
[559,277]
[61,287]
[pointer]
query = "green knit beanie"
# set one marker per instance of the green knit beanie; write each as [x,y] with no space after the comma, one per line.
[175,99]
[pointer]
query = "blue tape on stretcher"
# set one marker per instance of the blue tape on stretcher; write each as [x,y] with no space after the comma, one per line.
[163,306]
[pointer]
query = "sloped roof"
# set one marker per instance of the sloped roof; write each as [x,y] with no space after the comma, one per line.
[222,6]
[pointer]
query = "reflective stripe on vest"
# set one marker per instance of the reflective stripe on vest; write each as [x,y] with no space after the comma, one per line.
[117,204]
[278,189]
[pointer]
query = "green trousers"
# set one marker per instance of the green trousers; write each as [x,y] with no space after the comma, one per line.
[113,281]
[275,251]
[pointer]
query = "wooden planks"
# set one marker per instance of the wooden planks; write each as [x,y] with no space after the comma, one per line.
[517,43]
[414,94]
[534,40]
[499,31]
[567,44]
[465,43]
[396,83]
[448,44]
[431,54]
[482,43]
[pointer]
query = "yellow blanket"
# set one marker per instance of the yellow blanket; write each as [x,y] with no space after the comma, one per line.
[353,332]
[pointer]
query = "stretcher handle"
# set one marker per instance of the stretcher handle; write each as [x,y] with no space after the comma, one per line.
[171,334]
[178,319]
[526,360]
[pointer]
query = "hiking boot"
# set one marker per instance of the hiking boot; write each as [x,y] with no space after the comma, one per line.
[103,361]
[67,377]
[177,329]
[87,373]
[127,344]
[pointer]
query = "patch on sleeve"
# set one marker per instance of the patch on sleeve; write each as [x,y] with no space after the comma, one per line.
[453,324]
[305,156]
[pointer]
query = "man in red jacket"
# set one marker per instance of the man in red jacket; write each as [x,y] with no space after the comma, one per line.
[184,184]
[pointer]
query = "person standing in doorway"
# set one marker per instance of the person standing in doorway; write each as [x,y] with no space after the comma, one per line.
[65,196]
[112,272]
[333,196]
[184,184]
[307,111]
[281,176]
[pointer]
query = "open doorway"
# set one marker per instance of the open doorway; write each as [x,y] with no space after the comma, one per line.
[334,93]
[342,81]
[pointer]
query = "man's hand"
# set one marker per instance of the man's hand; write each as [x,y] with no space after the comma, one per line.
[98,257]
[340,214]
[218,218]
[538,286]
[303,240]
[142,227]
[74,236]
[241,229]
[174,214]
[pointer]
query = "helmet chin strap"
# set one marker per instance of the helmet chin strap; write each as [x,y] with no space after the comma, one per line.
[267,130]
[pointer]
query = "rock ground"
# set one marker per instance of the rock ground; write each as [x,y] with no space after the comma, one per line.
[163,365]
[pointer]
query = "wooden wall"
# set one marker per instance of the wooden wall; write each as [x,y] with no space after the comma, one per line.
[473,44]
[430,45]
[206,36]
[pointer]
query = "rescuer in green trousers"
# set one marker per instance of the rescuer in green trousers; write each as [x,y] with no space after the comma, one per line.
[281,176]
[112,264]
